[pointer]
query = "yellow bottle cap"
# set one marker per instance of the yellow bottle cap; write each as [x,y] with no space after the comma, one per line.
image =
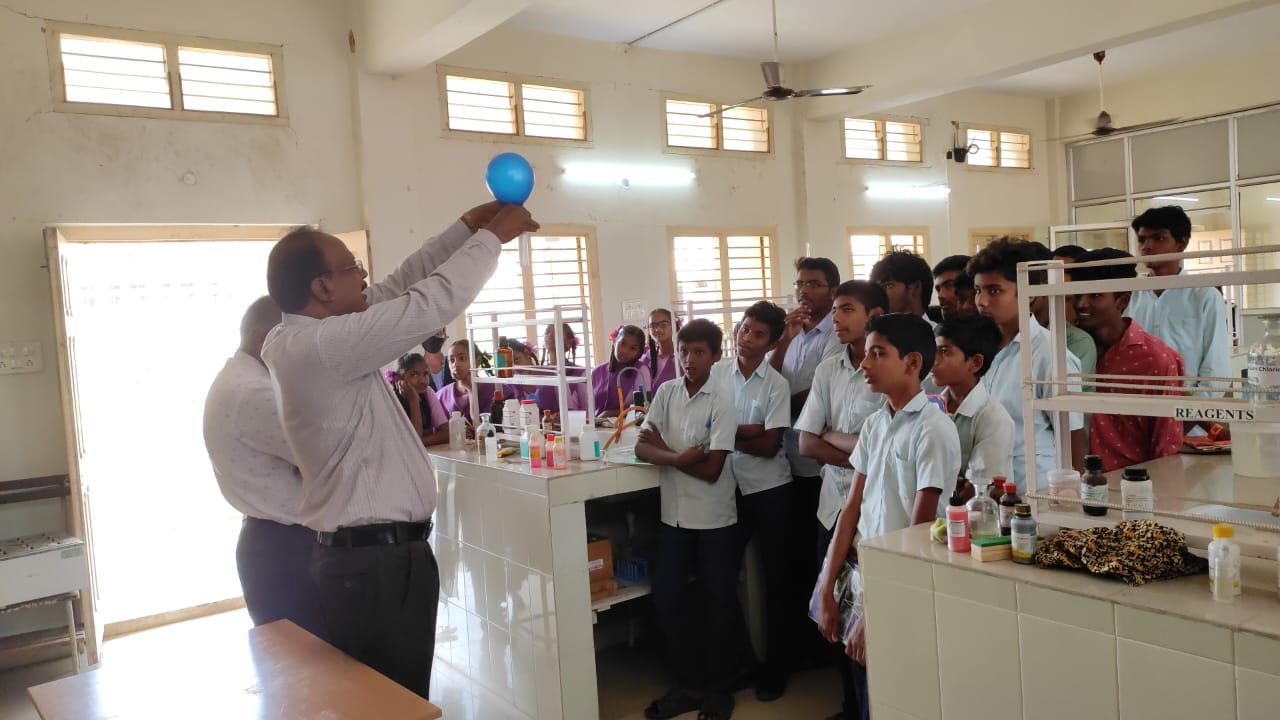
[1223,530]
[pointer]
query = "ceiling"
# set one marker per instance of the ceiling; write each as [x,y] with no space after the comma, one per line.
[807,29]
[1245,32]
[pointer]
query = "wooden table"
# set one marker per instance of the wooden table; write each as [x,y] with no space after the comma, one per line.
[276,671]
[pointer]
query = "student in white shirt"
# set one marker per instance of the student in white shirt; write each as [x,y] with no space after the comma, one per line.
[966,347]
[995,279]
[255,472]
[368,487]
[907,458]
[763,477]
[690,430]
[908,281]
[807,339]
[1192,321]
[839,403]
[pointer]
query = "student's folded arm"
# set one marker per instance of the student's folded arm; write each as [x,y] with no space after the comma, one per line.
[439,436]
[925,509]
[766,444]
[708,468]
[750,432]
[844,442]
[798,400]
[813,446]
[359,343]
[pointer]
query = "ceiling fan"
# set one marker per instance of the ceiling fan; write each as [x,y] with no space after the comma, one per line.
[774,89]
[1102,125]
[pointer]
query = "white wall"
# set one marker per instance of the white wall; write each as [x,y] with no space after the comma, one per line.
[419,176]
[65,168]
[980,197]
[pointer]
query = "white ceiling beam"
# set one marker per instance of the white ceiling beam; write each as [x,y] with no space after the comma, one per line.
[994,41]
[400,36]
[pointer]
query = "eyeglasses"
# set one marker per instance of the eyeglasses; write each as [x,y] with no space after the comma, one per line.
[660,325]
[810,284]
[357,265]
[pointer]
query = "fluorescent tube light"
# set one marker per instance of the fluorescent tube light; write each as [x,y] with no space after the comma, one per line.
[1176,198]
[908,192]
[1271,199]
[629,175]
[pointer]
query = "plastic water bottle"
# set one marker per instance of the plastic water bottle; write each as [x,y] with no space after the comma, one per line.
[457,431]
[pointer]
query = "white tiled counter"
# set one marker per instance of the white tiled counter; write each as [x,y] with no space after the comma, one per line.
[952,638]
[515,603]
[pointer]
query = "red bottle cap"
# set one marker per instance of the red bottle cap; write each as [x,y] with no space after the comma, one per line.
[1011,488]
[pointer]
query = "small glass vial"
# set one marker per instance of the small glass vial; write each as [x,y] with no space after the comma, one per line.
[1023,536]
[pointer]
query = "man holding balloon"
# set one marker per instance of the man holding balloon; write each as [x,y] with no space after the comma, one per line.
[368,487]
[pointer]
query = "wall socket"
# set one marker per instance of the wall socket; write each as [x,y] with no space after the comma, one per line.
[21,357]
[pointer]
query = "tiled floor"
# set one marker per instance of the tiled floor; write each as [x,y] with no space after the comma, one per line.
[629,680]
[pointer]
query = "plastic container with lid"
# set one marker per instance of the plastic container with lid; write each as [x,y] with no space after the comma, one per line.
[957,525]
[1063,483]
[1224,564]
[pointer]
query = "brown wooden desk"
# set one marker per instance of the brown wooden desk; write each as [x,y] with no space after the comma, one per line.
[276,671]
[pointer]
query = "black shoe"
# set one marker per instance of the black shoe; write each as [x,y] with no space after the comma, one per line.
[675,702]
[716,706]
[770,687]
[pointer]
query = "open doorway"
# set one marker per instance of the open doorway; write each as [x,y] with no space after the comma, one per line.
[147,317]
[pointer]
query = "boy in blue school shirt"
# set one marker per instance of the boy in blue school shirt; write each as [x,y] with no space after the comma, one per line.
[907,457]
[995,281]
[966,347]
[690,430]
[763,476]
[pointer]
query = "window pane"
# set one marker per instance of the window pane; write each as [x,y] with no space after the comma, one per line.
[686,129]
[1187,201]
[114,72]
[1097,170]
[478,105]
[226,82]
[1259,152]
[1260,225]
[986,154]
[746,129]
[902,141]
[862,139]
[1106,212]
[1180,157]
[865,251]
[1015,150]
[704,262]
[554,112]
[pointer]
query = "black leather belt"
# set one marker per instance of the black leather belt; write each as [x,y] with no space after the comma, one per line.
[392,533]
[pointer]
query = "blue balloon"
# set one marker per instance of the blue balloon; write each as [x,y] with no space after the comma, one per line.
[510,178]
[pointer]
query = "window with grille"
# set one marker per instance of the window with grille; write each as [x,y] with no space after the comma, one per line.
[867,246]
[889,140]
[721,270]
[112,71]
[559,273]
[511,107]
[744,129]
[1000,148]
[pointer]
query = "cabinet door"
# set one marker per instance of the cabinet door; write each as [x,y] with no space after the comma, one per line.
[1067,672]
[901,646]
[977,626]
[1257,695]
[1161,683]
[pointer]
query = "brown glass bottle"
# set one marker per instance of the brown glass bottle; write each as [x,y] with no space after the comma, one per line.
[495,411]
[1093,486]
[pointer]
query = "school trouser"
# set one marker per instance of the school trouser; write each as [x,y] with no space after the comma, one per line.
[808,647]
[272,560]
[853,677]
[379,588]
[700,619]
[764,516]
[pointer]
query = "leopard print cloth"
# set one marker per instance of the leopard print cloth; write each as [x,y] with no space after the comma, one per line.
[1135,551]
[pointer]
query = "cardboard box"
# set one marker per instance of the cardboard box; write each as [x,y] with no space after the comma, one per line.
[602,589]
[599,559]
